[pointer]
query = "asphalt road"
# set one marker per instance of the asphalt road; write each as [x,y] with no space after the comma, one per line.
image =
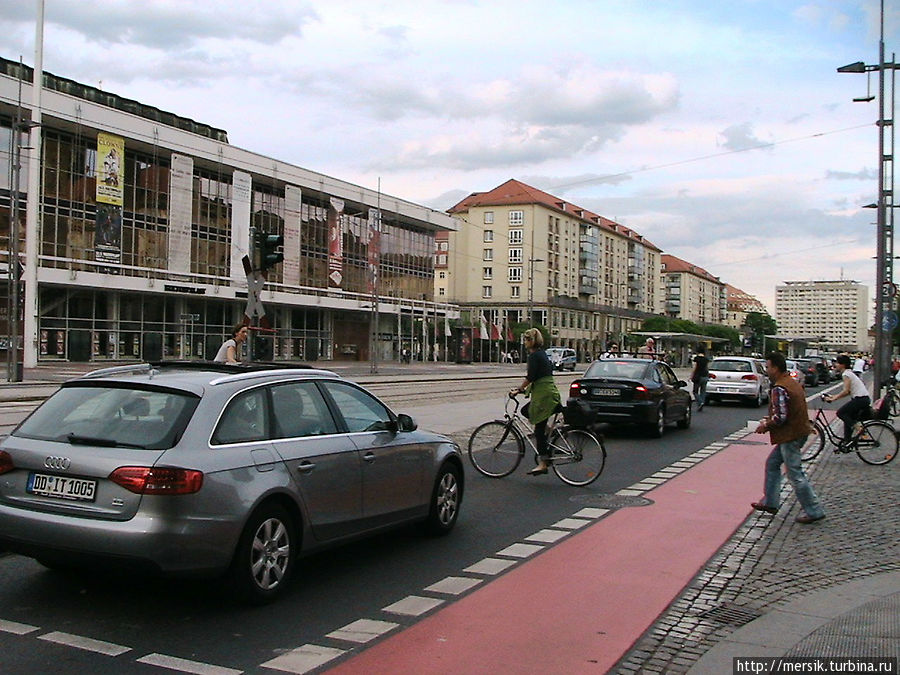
[43,612]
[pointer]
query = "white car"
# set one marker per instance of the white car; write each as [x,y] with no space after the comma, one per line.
[562,358]
[737,378]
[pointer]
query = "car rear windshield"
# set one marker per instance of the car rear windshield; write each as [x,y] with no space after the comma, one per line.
[628,370]
[731,366]
[111,416]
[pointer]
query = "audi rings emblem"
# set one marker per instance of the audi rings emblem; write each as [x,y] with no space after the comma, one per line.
[57,462]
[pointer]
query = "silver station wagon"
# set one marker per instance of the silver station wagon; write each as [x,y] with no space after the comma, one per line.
[217,470]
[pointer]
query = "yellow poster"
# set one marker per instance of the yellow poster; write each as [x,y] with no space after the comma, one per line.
[110,165]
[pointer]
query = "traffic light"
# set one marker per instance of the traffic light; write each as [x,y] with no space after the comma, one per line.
[265,254]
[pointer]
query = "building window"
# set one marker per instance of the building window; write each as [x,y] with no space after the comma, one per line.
[515,236]
[489,235]
[488,217]
[487,273]
[515,274]
[440,291]
[486,291]
[515,255]
[442,259]
[514,291]
[442,275]
[516,217]
[444,246]
[488,254]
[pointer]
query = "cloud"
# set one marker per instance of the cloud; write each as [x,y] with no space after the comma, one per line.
[741,137]
[862,174]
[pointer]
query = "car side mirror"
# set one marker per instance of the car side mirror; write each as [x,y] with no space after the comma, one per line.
[681,383]
[406,423]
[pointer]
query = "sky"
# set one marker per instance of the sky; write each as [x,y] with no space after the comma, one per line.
[720,131]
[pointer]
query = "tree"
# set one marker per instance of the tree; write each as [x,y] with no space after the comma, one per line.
[730,334]
[761,324]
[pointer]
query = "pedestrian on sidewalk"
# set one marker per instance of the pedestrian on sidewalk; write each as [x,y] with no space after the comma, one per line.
[700,376]
[788,426]
[230,351]
[859,403]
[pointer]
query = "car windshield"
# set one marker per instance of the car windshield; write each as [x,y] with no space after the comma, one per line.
[731,366]
[111,416]
[629,370]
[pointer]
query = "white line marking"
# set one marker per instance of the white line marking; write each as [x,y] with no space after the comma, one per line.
[453,585]
[303,659]
[16,628]
[489,566]
[85,643]
[571,523]
[363,630]
[628,493]
[547,536]
[186,666]
[520,550]
[590,513]
[413,605]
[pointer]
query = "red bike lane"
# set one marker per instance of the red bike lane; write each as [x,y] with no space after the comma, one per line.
[580,605]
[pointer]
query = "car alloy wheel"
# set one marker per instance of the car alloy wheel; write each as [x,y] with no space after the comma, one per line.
[659,428]
[265,555]
[445,501]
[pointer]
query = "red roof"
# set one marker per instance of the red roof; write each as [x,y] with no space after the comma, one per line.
[672,264]
[514,192]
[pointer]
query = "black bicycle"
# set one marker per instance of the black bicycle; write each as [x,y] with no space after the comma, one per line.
[875,441]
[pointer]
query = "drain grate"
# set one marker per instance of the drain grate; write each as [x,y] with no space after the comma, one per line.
[734,615]
[611,501]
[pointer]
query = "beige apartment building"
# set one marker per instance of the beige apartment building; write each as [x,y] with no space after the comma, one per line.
[522,254]
[738,305]
[834,311]
[690,292]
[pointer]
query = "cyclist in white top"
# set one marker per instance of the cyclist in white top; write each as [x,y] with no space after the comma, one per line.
[859,397]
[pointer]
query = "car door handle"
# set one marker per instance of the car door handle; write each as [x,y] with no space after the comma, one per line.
[369,457]
[306,467]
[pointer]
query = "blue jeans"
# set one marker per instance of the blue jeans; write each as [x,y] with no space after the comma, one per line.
[700,390]
[789,455]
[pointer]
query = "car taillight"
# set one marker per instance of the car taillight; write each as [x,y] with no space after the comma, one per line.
[749,377]
[576,390]
[641,393]
[712,376]
[6,463]
[157,480]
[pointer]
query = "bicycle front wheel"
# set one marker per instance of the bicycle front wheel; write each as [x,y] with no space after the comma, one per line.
[578,456]
[814,444]
[877,442]
[496,448]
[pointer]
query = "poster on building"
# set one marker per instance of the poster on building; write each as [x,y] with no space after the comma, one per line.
[108,234]
[181,188]
[292,210]
[110,164]
[335,243]
[241,184]
[374,249]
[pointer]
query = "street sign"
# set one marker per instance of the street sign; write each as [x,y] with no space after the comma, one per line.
[190,317]
[889,321]
[889,290]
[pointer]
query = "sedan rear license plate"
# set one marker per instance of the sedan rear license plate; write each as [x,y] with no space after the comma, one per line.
[606,392]
[61,487]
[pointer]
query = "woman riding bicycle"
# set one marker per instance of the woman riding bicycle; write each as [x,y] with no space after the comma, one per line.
[545,397]
[859,402]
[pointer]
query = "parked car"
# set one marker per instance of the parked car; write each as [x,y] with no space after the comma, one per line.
[636,391]
[796,372]
[809,370]
[823,366]
[737,378]
[562,358]
[217,470]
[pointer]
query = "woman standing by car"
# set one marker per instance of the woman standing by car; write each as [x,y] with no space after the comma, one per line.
[545,397]
[700,376]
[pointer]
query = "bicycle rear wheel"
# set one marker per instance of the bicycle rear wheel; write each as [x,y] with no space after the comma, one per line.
[895,403]
[877,442]
[496,448]
[814,444]
[578,456]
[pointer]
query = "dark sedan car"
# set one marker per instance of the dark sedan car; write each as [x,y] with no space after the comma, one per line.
[810,371]
[635,391]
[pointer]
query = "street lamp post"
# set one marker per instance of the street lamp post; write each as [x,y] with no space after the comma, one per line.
[885,317]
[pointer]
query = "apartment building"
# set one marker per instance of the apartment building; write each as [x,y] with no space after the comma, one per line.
[521,254]
[835,311]
[738,304]
[136,247]
[690,292]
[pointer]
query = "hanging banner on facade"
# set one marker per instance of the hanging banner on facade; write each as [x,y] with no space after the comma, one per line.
[335,243]
[292,210]
[241,184]
[108,234]
[110,164]
[374,249]
[181,188]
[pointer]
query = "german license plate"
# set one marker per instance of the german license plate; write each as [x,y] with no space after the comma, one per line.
[606,392]
[61,487]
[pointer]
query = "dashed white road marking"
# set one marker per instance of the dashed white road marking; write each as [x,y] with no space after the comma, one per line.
[629,492]
[571,523]
[85,643]
[186,666]
[547,536]
[489,566]
[520,550]
[453,585]
[413,605]
[363,630]
[590,513]
[16,628]
[303,659]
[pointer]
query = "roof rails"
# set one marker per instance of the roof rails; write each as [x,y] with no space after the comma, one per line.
[118,370]
[217,366]
[251,374]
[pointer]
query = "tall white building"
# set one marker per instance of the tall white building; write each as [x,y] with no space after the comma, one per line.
[837,311]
